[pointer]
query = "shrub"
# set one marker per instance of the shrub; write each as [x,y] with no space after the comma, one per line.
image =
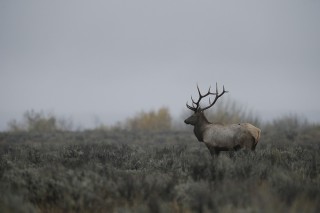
[39,122]
[151,121]
[286,129]
[93,172]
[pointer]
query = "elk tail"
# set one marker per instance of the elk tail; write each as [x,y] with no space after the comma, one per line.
[258,137]
[259,133]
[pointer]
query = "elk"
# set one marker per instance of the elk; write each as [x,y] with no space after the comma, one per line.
[219,137]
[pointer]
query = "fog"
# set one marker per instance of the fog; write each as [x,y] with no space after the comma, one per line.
[103,61]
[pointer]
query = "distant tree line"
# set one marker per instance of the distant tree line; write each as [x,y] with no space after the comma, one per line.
[288,127]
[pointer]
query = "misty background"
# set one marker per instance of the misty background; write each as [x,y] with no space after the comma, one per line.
[99,62]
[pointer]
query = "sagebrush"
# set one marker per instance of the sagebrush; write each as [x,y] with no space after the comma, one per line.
[126,171]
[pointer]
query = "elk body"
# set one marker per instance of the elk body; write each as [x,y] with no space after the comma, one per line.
[219,137]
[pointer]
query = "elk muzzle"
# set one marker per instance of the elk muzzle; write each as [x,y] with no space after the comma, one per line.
[191,120]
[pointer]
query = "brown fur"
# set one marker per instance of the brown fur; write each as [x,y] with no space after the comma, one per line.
[219,137]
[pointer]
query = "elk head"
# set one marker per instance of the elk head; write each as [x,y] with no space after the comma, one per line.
[198,115]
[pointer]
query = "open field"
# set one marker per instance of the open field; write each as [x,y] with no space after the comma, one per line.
[125,171]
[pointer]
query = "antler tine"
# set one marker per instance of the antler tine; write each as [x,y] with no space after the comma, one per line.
[193,105]
[190,107]
[205,95]
[225,90]
[193,102]
[193,108]
[217,88]
[216,98]
[196,104]
[209,90]
[199,91]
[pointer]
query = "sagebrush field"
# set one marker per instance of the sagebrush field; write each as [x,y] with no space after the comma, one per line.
[147,165]
[163,171]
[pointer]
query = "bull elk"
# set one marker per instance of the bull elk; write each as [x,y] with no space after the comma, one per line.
[219,137]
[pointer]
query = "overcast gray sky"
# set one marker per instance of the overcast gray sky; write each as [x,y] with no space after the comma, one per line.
[106,60]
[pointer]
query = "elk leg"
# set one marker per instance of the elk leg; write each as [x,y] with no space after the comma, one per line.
[214,151]
[253,147]
[236,148]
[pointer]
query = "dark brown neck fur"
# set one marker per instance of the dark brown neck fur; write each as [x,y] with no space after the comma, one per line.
[200,127]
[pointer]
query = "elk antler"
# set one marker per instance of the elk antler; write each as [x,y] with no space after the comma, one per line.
[196,105]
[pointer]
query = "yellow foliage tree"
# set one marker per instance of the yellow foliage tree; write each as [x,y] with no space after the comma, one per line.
[151,121]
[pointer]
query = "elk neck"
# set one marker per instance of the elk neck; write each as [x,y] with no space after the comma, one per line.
[200,127]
